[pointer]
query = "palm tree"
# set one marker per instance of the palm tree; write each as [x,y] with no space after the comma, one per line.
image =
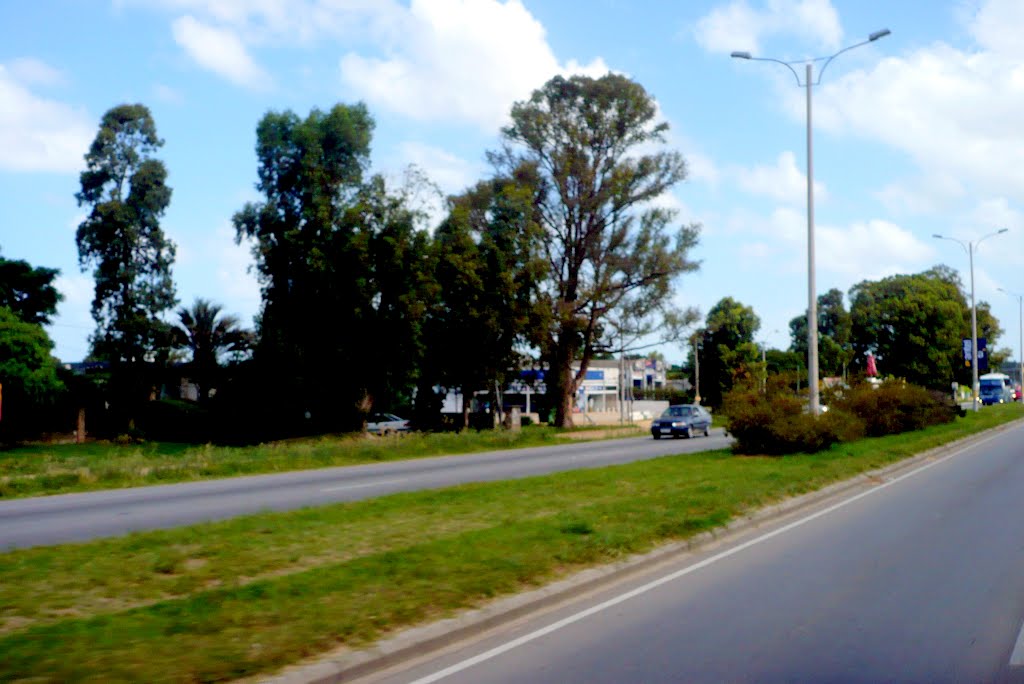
[208,335]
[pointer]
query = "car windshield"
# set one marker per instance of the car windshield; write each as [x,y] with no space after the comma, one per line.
[992,384]
[677,412]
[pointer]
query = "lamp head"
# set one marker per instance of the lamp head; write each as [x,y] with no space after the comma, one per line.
[936,235]
[1002,230]
[739,54]
[878,34]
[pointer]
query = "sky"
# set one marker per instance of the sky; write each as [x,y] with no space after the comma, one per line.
[915,134]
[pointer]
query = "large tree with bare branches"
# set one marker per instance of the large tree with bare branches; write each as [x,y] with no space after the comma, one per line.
[600,166]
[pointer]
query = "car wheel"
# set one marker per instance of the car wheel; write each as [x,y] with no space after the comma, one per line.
[687,434]
[656,435]
[707,430]
[385,432]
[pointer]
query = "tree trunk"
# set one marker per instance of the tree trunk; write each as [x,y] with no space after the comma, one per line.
[563,387]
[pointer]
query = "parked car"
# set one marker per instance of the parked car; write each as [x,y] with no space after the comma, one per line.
[682,420]
[1016,393]
[386,423]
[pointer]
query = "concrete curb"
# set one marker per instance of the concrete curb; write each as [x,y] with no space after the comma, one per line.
[346,665]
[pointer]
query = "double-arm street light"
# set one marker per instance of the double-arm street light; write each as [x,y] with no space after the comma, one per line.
[970,248]
[1020,319]
[812,297]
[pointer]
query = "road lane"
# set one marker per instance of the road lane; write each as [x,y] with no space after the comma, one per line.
[78,517]
[921,580]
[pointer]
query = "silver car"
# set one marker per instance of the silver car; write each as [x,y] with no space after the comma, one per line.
[682,420]
[386,424]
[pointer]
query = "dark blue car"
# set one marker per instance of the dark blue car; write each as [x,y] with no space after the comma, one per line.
[682,420]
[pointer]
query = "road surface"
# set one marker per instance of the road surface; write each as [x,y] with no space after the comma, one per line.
[918,579]
[77,517]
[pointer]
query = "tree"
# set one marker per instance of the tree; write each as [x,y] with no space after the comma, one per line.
[310,173]
[329,244]
[28,376]
[727,348]
[835,348]
[121,239]
[590,144]
[208,335]
[914,324]
[28,292]
[486,269]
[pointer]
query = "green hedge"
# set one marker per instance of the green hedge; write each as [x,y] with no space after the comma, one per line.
[774,421]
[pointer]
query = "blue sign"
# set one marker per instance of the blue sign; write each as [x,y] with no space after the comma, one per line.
[982,353]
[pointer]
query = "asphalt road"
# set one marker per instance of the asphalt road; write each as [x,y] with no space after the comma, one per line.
[918,579]
[77,517]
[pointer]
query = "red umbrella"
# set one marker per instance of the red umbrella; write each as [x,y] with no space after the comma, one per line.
[872,368]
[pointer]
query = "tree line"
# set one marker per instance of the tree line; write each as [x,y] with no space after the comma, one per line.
[560,254]
[913,324]
[365,306]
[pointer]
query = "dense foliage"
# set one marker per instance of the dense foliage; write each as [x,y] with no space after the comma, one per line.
[28,291]
[914,324]
[895,406]
[341,263]
[28,377]
[775,421]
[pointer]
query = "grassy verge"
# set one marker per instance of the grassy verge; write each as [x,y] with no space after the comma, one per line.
[62,468]
[225,600]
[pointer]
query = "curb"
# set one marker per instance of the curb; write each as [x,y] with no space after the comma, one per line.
[346,665]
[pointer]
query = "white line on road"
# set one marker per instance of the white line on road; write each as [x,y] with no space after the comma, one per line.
[1017,657]
[360,486]
[565,622]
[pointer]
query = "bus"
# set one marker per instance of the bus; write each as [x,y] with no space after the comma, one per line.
[996,388]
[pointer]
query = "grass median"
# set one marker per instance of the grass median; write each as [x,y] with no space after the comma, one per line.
[226,600]
[61,468]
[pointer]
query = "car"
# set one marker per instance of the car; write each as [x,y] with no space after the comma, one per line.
[386,424]
[682,420]
[1016,393]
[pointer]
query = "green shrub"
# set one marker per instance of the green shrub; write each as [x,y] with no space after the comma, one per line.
[895,406]
[775,422]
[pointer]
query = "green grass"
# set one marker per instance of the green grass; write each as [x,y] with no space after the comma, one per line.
[232,599]
[61,468]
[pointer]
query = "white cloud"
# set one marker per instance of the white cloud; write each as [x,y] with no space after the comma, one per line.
[32,71]
[37,133]
[701,167]
[995,213]
[739,26]
[783,182]
[955,112]
[870,250]
[457,60]
[451,173]
[218,50]
[929,194]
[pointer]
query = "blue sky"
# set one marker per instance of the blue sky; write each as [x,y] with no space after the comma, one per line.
[915,134]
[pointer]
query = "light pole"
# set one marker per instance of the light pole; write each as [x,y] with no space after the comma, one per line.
[696,368]
[812,298]
[970,248]
[764,363]
[1020,319]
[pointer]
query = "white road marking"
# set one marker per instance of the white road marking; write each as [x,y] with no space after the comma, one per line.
[360,486]
[565,622]
[1017,657]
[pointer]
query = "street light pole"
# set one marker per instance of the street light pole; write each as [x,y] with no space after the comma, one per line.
[970,248]
[812,298]
[1020,320]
